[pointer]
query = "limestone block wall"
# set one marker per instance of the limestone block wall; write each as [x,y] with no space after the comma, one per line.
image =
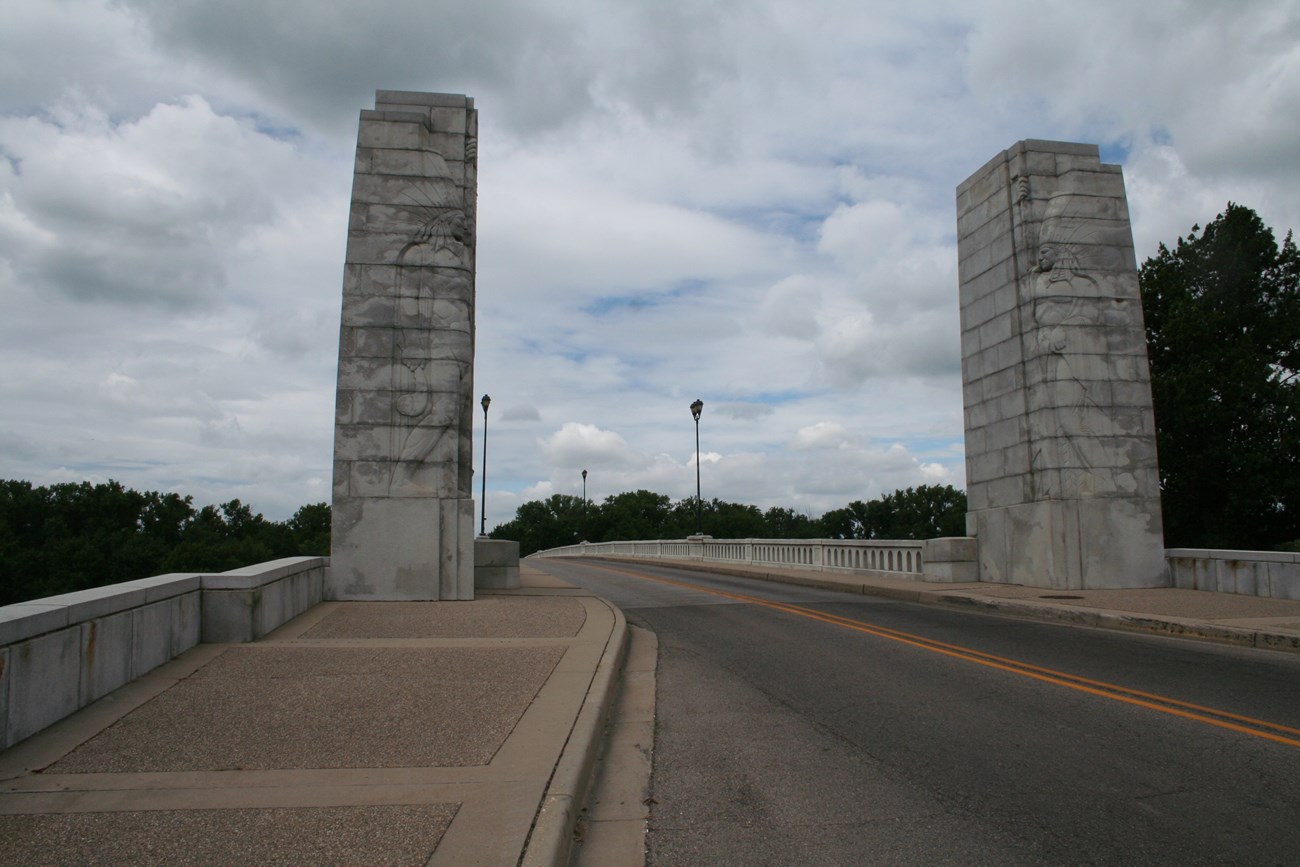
[1060,436]
[403,510]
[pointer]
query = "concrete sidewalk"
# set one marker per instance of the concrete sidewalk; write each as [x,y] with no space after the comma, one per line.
[1252,621]
[455,733]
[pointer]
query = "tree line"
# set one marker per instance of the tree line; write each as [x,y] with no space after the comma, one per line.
[75,536]
[923,512]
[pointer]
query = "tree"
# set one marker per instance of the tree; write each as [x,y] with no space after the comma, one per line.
[640,514]
[78,535]
[310,529]
[1222,313]
[788,524]
[542,524]
[923,512]
[849,522]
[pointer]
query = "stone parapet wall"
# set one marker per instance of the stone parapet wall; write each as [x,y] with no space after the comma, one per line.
[61,653]
[1273,574]
[942,560]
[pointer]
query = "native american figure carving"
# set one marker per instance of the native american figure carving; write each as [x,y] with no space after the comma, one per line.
[432,348]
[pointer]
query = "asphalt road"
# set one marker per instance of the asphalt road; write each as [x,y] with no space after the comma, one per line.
[858,730]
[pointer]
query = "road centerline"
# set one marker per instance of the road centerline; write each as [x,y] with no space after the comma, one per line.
[1216,717]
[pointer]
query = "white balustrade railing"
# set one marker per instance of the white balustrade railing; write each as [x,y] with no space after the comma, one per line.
[904,558]
[1259,573]
[1274,574]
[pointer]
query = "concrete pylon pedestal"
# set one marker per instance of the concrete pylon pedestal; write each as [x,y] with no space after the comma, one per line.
[403,515]
[1061,467]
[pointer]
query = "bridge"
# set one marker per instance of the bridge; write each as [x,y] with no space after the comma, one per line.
[170,715]
[421,697]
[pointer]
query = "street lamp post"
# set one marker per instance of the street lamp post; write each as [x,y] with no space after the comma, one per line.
[482,527]
[584,502]
[696,409]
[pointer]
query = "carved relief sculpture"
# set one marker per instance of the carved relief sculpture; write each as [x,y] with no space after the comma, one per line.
[431,324]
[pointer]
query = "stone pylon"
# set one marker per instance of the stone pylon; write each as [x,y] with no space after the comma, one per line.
[403,523]
[1060,436]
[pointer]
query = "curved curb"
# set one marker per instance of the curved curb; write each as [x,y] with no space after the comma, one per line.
[552,835]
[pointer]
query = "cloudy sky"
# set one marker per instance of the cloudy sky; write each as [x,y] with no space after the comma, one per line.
[746,201]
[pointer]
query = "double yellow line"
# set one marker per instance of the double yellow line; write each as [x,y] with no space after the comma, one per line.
[1187,710]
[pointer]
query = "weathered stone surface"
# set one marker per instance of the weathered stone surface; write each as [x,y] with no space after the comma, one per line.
[245,604]
[1060,437]
[951,559]
[106,655]
[5,668]
[403,513]
[152,646]
[45,681]
[496,563]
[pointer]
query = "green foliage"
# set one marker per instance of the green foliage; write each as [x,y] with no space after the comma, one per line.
[540,524]
[310,528]
[917,513]
[635,515]
[924,512]
[1222,313]
[76,536]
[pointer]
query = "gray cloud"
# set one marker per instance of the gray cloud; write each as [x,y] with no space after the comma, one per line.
[521,412]
[745,411]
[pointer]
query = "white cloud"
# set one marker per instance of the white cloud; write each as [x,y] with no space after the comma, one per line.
[581,445]
[823,435]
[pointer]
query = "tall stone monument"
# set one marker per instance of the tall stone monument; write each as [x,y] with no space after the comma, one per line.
[1060,436]
[403,523]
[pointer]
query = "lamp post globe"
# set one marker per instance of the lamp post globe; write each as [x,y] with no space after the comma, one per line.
[696,408]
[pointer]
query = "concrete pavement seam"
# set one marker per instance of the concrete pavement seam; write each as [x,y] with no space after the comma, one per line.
[551,838]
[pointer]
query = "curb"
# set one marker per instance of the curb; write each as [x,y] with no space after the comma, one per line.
[1101,618]
[551,839]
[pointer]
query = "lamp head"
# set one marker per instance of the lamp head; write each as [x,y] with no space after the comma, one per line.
[485,401]
[697,408]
